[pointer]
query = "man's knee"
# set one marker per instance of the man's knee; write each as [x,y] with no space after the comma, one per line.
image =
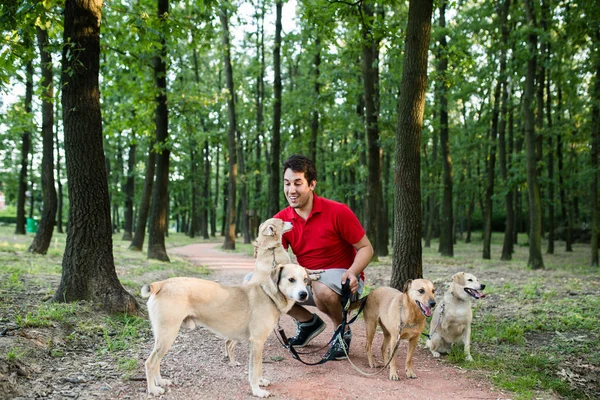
[324,294]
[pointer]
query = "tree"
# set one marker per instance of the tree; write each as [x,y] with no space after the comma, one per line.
[42,239]
[275,167]
[535,260]
[407,262]
[229,243]
[88,269]
[158,224]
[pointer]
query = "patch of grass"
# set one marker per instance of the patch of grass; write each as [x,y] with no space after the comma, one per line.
[121,331]
[128,366]
[14,354]
[46,315]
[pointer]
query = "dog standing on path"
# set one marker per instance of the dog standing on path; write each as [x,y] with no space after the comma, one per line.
[395,310]
[451,322]
[240,313]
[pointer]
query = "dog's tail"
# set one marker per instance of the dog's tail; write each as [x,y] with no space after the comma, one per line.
[150,289]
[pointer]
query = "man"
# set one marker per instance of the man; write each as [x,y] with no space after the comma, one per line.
[325,235]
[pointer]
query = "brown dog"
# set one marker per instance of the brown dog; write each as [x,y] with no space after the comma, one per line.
[394,310]
[268,248]
[240,313]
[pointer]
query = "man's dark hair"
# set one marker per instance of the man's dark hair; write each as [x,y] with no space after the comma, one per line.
[300,163]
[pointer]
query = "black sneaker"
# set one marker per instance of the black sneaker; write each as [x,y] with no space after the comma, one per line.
[307,331]
[336,351]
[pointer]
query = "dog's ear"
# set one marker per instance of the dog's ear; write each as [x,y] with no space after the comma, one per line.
[276,273]
[269,230]
[406,286]
[459,278]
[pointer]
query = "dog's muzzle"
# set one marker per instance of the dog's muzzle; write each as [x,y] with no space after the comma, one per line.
[474,293]
[302,296]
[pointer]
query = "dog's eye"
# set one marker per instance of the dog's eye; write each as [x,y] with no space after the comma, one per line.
[421,291]
[292,280]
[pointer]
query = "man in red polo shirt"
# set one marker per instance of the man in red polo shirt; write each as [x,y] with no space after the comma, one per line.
[325,235]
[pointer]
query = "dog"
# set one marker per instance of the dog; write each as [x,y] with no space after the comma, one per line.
[268,249]
[240,313]
[394,309]
[451,322]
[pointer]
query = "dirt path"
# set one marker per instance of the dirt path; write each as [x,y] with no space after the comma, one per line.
[199,370]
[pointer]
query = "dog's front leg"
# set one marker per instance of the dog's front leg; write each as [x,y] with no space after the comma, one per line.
[255,369]
[412,345]
[467,341]
[393,338]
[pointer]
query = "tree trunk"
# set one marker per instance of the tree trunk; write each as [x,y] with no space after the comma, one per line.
[446,246]
[158,224]
[595,150]
[275,176]
[407,255]
[229,243]
[88,269]
[129,190]
[137,243]
[206,199]
[370,58]
[59,214]
[564,202]
[312,145]
[533,188]
[42,239]
[25,149]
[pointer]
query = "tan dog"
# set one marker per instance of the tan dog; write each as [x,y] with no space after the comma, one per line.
[451,322]
[269,251]
[241,313]
[392,309]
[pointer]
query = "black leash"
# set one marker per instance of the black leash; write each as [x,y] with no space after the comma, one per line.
[346,297]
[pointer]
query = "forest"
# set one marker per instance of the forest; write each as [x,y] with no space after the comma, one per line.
[430,120]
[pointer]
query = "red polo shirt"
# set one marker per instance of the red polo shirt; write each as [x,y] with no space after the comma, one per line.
[325,240]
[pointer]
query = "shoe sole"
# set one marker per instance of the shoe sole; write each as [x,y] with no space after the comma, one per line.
[311,337]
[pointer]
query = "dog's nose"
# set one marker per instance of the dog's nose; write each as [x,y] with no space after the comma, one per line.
[303,295]
[432,303]
[482,286]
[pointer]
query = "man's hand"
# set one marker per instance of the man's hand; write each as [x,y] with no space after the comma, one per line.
[353,281]
[314,274]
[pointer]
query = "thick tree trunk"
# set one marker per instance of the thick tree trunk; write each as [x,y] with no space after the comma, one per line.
[446,246]
[42,239]
[407,255]
[229,243]
[158,224]
[129,191]
[275,175]
[25,149]
[59,213]
[88,269]
[533,188]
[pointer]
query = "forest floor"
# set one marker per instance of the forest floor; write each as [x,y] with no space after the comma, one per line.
[77,352]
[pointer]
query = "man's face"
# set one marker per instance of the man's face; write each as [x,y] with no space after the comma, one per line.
[296,188]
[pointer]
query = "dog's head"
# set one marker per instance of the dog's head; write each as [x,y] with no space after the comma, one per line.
[291,280]
[465,285]
[422,292]
[271,231]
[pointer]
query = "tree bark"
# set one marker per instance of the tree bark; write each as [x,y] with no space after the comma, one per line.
[158,224]
[25,148]
[129,190]
[88,269]
[407,255]
[446,246]
[42,239]
[312,145]
[275,176]
[137,244]
[535,260]
[595,150]
[229,243]
[59,213]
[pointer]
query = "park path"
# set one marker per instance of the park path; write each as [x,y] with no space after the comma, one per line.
[196,362]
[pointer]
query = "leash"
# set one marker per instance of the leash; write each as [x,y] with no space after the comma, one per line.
[346,296]
[428,335]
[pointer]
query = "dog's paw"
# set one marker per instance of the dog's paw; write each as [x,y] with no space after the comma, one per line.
[163,382]
[435,354]
[260,392]
[394,376]
[411,374]
[263,382]
[469,358]
[156,391]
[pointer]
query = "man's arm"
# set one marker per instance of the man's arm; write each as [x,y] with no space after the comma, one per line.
[364,254]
